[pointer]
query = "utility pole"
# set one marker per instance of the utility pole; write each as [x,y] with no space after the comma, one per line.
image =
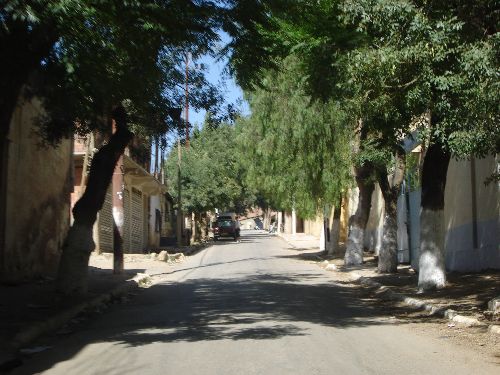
[179,201]
[187,100]
[118,217]
[179,158]
[118,213]
[175,114]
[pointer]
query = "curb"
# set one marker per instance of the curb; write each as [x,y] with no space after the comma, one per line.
[11,358]
[494,329]
[9,355]
[31,333]
[417,304]
[284,239]
[34,331]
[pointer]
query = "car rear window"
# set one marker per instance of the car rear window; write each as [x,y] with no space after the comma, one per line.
[224,223]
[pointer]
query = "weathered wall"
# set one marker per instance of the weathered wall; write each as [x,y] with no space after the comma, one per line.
[462,254]
[155,203]
[314,226]
[247,224]
[344,220]
[375,225]
[288,223]
[38,200]
[168,217]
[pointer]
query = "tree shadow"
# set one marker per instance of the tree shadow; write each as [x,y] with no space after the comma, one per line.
[259,306]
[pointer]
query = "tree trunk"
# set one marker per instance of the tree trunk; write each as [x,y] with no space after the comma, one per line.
[267,218]
[335,235]
[73,267]
[432,272]
[193,227]
[388,255]
[118,217]
[203,226]
[334,249]
[89,148]
[179,229]
[357,221]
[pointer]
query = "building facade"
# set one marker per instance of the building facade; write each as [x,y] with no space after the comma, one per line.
[143,202]
[37,200]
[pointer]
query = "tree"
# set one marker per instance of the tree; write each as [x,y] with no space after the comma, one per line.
[295,148]
[315,37]
[84,58]
[391,63]
[439,60]
[211,172]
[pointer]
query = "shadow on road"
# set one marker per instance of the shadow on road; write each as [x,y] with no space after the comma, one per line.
[257,307]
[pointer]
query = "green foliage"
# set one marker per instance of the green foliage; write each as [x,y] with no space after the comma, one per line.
[211,174]
[101,54]
[84,57]
[373,153]
[296,150]
[384,62]
[389,61]
[413,171]
[429,55]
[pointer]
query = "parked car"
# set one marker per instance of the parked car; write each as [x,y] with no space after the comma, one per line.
[226,226]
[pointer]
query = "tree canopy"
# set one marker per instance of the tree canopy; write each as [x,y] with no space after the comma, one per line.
[296,149]
[82,58]
[386,63]
[211,172]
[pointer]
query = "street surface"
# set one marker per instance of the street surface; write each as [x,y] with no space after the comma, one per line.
[252,308]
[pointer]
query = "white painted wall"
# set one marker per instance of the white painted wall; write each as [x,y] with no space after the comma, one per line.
[461,254]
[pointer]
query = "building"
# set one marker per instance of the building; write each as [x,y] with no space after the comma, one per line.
[147,207]
[37,200]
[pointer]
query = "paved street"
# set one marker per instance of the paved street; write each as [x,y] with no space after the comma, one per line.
[251,308]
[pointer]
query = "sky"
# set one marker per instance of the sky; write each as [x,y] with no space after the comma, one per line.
[216,75]
[214,72]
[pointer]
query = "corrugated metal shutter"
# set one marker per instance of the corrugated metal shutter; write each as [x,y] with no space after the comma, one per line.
[136,225]
[106,223]
[126,221]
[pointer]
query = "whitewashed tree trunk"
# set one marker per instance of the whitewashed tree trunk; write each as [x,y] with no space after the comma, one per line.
[354,246]
[388,257]
[193,227]
[334,221]
[358,215]
[267,218]
[73,266]
[280,221]
[322,236]
[390,188]
[432,274]
[377,215]
[334,237]
[357,221]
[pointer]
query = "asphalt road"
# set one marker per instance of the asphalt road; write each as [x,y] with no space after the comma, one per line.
[251,308]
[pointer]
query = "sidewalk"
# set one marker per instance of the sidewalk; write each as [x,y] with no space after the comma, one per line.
[300,241]
[464,301]
[31,310]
